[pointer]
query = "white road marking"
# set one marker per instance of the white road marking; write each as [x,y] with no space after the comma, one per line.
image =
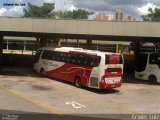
[75,104]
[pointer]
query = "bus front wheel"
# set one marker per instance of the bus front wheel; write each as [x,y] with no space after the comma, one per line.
[78,82]
[152,79]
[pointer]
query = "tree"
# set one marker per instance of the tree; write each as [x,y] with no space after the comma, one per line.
[153,15]
[35,11]
[81,14]
[75,14]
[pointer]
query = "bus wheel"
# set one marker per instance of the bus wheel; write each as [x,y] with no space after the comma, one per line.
[78,82]
[42,72]
[152,79]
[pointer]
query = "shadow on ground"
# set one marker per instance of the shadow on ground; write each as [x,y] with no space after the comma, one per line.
[28,71]
[18,71]
[129,78]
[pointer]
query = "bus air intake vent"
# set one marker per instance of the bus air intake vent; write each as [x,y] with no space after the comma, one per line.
[94,82]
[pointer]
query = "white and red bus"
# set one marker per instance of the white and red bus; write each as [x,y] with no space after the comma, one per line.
[148,67]
[95,69]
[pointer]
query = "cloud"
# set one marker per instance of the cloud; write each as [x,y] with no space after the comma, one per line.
[15,11]
[94,5]
[35,2]
[155,2]
[59,4]
[126,2]
[144,9]
[130,7]
[2,11]
[63,4]
[134,8]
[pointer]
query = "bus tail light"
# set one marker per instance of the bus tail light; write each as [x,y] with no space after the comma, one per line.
[103,78]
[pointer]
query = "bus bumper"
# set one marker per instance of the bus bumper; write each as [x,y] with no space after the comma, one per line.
[103,85]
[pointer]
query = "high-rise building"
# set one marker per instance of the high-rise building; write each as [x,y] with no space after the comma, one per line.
[110,17]
[130,18]
[119,15]
[102,16]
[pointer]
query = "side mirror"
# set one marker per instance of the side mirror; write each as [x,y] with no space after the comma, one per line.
[34,52]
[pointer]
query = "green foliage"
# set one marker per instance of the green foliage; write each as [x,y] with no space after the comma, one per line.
[75,14]
[47,11]
[81,14]
[36,11]
[67,14]
[153,15]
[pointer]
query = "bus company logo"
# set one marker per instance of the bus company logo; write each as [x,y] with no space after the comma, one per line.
[53,65]
[44,63]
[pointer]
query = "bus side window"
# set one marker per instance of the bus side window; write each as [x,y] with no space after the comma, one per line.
[56,56]
[45,54]
[50,55]
[81,59]
[93,61]
[68,58]
[63,57]
[78,59]
[89,61]
[53,56]
[96,61]
[73,59]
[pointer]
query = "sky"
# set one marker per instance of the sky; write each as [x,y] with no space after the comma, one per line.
[134,8]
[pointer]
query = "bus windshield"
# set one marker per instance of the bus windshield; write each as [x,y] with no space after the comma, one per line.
[37,55]
[155,59]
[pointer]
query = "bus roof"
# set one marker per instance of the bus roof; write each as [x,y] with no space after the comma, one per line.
[76,50]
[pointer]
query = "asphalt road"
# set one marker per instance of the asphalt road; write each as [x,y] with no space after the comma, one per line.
[25,93]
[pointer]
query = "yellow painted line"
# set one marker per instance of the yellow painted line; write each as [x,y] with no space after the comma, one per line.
[94,98]
[37,103]
[89,96]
